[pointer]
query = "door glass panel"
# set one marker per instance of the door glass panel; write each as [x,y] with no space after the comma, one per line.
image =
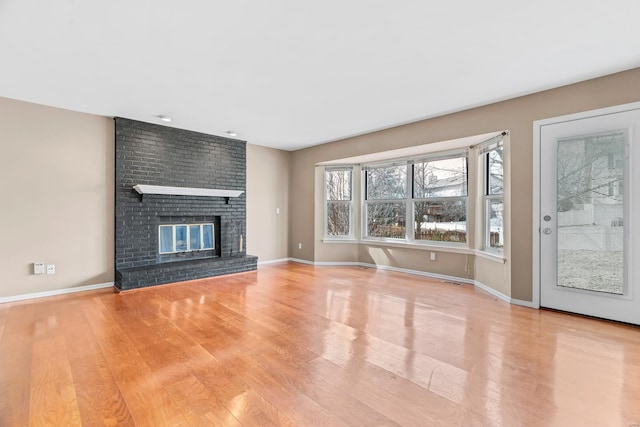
[590,212]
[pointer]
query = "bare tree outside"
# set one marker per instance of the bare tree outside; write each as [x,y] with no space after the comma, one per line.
[440,211]
[387,182]
[437,194]
[386,201]
[495,167]
[386,220]
[590,209]
[588,168]
[494,198]
[339,194]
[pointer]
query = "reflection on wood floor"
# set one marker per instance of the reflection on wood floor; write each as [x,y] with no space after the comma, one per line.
[299,345]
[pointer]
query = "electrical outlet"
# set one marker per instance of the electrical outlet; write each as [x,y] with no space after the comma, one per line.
[277,211]
[299,245]
[51,269]
[38,267]
[433,256]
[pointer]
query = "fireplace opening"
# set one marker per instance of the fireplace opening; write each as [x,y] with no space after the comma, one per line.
[180,238]
[177,238]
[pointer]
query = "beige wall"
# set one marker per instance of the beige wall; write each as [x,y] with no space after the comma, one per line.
[516,115]
[267,191]
[57,175]
[446,263]
[56,187]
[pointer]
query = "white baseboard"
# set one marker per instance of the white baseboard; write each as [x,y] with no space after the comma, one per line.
[43,294]
[274,261]
[337,264]
[524,303]
[476,283]
[492,291]
[302,261]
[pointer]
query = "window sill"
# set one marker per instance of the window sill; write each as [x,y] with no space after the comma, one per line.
[493,256]
[339,240]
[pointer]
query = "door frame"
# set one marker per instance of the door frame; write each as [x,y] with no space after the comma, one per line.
[537,145]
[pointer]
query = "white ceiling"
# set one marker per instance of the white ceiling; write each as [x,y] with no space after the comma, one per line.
[295,73]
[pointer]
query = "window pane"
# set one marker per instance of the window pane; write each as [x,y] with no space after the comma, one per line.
[166,239]
[207,236]
[387,182]
[496,223]
[194,237]
[338,218]
[586,167]
[441,221]
[181,238]
[440,178]
[495,170]
[591,214]
[386,220]
[338,184]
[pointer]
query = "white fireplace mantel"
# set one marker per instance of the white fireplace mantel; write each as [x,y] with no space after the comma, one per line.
[185,191]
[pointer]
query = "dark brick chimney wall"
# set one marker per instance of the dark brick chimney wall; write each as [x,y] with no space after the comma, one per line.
[159,155]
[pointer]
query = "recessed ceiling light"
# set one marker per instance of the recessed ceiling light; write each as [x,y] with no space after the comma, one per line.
[165,118]
[232,133]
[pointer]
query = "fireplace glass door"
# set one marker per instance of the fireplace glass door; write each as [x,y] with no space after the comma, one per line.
[176,238]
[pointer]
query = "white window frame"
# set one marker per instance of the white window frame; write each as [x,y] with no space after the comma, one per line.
[464,154]
[366,202]
[189,248]
[484,150]
[410,201]
[350,203]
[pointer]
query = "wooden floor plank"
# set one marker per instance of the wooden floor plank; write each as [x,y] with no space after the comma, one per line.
[16,364]
[202,406]
[53,399]
[300,345]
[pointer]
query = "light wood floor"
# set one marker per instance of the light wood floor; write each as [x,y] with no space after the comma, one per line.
[301,345]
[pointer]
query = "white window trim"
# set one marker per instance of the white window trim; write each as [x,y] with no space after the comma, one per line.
[483,152]
[365,231]
[364,202]
[409,200]
[488,199]
[490,255]
[443,199]
[325,226]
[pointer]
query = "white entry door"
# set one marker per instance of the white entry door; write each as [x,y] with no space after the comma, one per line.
[589,218]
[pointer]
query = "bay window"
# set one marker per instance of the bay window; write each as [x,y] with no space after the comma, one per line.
[421,200]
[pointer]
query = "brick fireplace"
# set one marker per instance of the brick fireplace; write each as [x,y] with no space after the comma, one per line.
[171,235]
